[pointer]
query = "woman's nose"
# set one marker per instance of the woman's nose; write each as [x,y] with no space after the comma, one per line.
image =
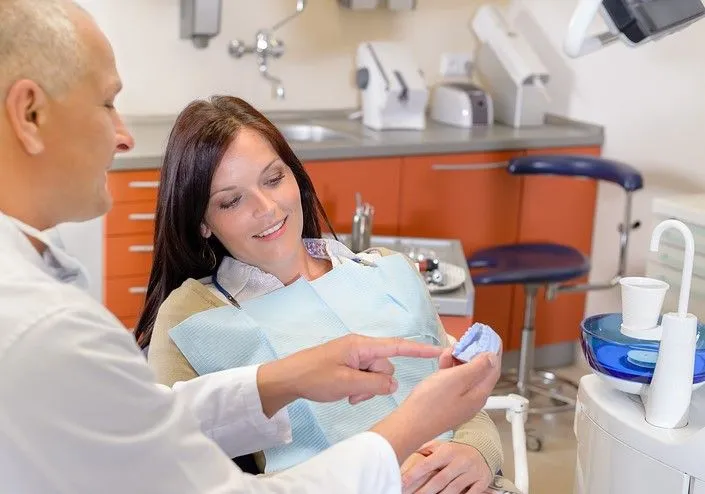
[265,205]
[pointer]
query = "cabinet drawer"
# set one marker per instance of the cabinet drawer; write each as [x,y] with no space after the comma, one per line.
[673,276]
[128,256]
[131,186]
[129,218]
[673,258]
[124,297]
[675,238]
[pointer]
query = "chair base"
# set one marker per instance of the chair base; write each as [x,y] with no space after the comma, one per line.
[547,392]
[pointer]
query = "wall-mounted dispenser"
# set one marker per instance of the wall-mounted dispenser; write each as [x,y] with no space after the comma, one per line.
[200,20]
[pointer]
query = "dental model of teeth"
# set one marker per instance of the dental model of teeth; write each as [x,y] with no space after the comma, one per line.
[479,338]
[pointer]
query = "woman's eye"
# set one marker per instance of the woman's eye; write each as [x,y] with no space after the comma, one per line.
[275,180]
[230,204]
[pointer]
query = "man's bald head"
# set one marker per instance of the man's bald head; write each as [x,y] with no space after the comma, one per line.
[39,41]
[59,128]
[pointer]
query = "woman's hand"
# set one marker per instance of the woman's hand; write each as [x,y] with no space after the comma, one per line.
[447,468]
[439,403]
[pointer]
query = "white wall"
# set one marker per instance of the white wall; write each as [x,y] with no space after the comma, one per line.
[162,73]
[651,101]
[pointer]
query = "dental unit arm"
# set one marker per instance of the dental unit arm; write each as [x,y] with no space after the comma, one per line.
[634,22]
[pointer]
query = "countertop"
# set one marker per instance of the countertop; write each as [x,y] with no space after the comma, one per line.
[151,134]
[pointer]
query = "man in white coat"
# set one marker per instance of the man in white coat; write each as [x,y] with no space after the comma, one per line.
[80,412]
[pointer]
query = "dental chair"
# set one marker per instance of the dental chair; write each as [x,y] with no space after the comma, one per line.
[516,407]
[551,265]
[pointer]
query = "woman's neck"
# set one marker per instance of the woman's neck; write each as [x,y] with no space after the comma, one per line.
[303,266]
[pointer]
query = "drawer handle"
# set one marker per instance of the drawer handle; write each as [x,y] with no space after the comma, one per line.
[137,290]
[142,217]
[141,248]
[470,167]
[144,184]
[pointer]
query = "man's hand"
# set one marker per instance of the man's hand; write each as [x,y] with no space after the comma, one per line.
[446,468]
[353,367]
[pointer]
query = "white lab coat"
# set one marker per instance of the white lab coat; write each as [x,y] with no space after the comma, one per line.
[80,412]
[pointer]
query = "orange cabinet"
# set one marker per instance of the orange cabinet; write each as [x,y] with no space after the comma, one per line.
[128,239]
[131,217]
[559,210]
[124,297]
[129,255]
[135,185]
[376,179]
[470,197]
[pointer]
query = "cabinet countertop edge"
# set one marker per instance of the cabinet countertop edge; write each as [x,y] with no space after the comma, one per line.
[151,134]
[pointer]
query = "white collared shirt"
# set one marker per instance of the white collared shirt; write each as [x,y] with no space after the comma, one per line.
[80,412]
[245,282]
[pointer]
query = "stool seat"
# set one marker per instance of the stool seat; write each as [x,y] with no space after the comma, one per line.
[530,263]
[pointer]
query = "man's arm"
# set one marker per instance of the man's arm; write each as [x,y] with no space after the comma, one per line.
[228,408]
[81,413]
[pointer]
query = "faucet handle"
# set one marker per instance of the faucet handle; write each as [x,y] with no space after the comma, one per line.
[276,48]
[237,48]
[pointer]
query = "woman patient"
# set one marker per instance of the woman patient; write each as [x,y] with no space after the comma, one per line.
[238,222]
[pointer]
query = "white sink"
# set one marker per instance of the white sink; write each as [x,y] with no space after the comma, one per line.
[310,133]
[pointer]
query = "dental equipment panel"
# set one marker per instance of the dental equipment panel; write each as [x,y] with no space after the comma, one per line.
[634,22]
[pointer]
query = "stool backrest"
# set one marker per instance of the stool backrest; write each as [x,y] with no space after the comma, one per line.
[623,175]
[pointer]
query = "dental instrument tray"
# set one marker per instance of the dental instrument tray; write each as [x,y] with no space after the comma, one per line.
[619,357]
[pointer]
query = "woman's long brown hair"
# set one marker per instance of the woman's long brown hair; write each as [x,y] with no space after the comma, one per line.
[201,135]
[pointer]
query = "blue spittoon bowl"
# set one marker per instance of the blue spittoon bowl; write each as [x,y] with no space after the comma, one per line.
[613,354]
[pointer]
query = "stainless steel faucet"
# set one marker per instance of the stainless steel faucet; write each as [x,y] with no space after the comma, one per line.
[361,233]
[265,48]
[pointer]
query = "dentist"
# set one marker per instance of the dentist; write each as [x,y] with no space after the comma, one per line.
[80,411]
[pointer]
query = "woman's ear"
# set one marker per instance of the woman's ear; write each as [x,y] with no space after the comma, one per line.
[205,231]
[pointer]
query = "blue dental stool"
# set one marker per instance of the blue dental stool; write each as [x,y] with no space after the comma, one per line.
[534,265]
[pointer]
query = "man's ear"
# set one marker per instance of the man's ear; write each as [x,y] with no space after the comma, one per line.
[27,107]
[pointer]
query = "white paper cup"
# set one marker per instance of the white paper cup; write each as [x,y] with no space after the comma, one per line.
[642,299]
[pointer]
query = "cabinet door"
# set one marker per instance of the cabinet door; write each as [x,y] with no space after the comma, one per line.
[559,210]
[377,180]
[470,197]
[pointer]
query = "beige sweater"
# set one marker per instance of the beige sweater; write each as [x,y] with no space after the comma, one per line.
[170,366]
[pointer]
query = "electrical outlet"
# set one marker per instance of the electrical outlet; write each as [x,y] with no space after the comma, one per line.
[456,64]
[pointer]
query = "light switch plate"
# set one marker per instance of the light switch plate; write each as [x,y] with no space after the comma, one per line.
[456,64]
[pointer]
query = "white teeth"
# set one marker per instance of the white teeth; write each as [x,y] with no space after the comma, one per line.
[275,228]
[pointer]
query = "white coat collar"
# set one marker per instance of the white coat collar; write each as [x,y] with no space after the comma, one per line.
[54,261]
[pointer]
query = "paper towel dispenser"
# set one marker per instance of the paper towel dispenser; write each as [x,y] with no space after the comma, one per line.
[200,20]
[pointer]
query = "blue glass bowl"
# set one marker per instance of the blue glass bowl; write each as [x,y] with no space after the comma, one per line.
[613,354]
